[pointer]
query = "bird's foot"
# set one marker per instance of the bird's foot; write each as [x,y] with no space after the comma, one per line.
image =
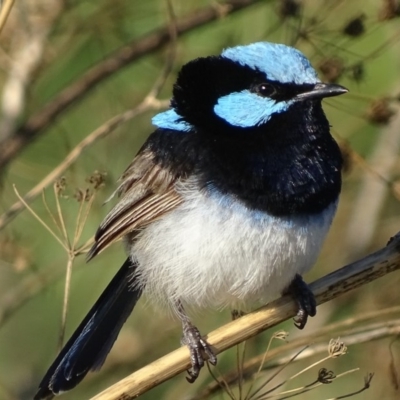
[236,314]
[304,297]
[200,350]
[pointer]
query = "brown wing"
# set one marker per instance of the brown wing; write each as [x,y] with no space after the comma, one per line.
[147,192]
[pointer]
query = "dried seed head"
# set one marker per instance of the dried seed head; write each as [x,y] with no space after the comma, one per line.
[60,185]
[82,195]
[336,348]
[357,71]
[331,68]
[282,335]
[325,376]
[289,8]
[390,9]
[97,179]
[379,111]
[355,27]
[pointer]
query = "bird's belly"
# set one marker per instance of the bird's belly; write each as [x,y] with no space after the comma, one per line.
[214,251]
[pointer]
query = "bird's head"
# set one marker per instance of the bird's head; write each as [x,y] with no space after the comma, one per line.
[244,87]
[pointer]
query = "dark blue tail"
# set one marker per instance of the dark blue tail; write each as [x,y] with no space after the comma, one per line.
[88,347]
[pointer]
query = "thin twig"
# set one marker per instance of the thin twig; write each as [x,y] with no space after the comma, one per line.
[99,133]
[367,333]
[309,387]
[32,26]
[367,383]
[49,212]
[39,219]
[5,11]
[149,102]
[67,286]
[169,62]
[276,373]
[149,99]
[277,357]
[61,218]
[221,382]
[82,218]
[280,334]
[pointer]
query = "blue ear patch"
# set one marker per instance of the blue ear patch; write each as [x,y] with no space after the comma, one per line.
[279,62]
[171,120]
[246,109]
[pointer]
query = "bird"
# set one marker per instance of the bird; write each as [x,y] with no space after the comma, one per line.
[227,203]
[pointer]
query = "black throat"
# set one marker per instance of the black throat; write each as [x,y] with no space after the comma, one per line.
[289,166]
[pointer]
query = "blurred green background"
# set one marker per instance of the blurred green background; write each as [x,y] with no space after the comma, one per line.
[354,43]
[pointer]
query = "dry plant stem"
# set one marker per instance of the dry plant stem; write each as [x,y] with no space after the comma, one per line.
[149,102]
[5,11]
[394,374]
[274,375]
[67,286]
[327,288]
[367,382]
[384,330]
[113,63]
[221,381]
[40,220]
[333,345]
[99,133]
[241,356]
[81,221]
[169,63]
[308,388]
[53,218]
[276,356]
[61,219]
[68,270]
[33,23]
[261,364]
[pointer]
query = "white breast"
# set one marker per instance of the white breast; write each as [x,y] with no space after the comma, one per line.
[214,251]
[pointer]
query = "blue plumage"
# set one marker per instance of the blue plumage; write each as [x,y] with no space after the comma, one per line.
[278,62]
[171,120]
[227,203]
[245,109]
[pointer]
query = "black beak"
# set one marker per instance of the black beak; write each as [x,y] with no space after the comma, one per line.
[321,90]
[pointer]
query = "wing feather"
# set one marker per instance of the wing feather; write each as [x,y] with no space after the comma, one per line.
[147,192]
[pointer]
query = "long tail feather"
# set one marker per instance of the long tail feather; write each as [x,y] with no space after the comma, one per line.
[88,347]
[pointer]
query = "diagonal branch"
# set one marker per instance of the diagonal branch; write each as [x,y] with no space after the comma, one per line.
[329,287]
[5,11]
[114,62]
[99,133]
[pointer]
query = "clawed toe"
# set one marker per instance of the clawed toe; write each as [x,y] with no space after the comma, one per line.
[304,297]
[200,351]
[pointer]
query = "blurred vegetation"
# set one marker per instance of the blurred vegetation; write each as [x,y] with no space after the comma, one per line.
[47,46]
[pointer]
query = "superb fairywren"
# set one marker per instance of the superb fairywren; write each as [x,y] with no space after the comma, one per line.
[227,203]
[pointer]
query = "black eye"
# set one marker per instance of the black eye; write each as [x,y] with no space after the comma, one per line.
[265,90]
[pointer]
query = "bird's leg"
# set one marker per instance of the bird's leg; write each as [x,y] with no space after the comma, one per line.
[199,349]
[305,300]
